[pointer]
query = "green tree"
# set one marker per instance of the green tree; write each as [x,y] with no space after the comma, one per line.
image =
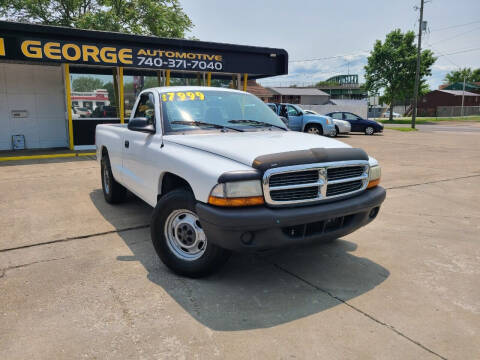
[470,75]
[87,83]
[324,83]
[145,17]
[391,67]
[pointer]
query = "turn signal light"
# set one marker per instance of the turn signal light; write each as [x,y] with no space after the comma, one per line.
[373,183]
[241,201]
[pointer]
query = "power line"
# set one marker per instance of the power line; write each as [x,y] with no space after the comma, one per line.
[329,57]
[456,36]
[463,51]
[455,26]
[446,57]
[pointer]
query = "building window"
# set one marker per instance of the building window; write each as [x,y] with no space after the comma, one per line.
[94,96]
[132,86]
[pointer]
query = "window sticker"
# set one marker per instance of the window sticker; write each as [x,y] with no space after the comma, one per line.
[183,96]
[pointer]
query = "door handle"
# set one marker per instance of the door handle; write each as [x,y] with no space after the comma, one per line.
[127,144]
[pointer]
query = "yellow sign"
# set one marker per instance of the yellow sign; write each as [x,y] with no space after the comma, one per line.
[2,47]
[183,96]
[73,52]
[70,51]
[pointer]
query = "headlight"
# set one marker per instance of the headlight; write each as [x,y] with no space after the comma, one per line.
[374,176]
[238,193]
[329,121]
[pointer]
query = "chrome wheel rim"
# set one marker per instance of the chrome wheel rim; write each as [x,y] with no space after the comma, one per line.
[184,234]
[106,179]
[313,130]
[369,130]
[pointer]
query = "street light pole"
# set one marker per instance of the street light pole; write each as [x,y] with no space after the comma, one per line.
[417,73]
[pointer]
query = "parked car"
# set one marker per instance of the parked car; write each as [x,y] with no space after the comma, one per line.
[386,114]
[75,114]
[358,124]
[341,126]
[104,111]
[224,173]
[298,120]
[82,111]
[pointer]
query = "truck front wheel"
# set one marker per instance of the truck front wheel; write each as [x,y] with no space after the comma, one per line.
[178,237]
[314,129]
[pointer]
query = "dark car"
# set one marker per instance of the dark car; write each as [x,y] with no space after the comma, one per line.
[104,111]
[369,127]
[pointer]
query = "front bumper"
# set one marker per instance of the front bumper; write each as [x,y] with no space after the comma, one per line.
[330,130]
[261,228]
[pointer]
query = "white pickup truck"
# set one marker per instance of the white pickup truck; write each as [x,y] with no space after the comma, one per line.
[224,173]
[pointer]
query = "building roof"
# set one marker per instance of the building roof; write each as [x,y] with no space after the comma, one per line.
[459,92]
[258,90]
[293,91]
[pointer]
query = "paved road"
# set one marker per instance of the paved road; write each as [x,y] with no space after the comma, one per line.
[79,278]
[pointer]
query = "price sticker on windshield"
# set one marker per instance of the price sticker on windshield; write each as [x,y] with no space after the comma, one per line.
[183,96]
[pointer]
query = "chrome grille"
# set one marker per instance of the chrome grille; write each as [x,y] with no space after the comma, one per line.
[341,188]
[294,194]
[345,172]
[314,182]
[301,177]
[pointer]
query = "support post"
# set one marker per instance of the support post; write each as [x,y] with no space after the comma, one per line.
[167,78]
[245,78]
[209,79]
[68,91]
[417,73]
[159,78]
[121,100]
[463,94]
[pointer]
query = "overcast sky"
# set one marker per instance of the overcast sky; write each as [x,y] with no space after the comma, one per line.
[321,28]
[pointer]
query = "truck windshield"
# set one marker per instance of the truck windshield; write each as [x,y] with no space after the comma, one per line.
[190,110]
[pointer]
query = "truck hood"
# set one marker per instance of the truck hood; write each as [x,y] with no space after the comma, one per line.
[244,147]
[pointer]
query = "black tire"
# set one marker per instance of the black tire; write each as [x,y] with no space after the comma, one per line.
[113,192]
[337,131]
[369,130]
[212,258]
[314,129]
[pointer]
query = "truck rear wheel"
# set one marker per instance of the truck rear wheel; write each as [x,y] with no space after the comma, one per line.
[314,129]
[113,192]
[178,237]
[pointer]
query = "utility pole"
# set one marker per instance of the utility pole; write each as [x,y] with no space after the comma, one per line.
[417,73]
[463,93]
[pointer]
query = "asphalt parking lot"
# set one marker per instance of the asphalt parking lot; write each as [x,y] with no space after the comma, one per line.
[79,278]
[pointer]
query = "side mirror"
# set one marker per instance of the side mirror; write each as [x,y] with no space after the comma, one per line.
[141,124]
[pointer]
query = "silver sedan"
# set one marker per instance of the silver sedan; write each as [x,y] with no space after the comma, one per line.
[341,126]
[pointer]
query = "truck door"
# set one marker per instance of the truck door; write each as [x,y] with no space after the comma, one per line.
[295,118]
[140,149]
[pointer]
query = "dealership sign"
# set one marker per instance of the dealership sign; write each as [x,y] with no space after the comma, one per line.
[93,54]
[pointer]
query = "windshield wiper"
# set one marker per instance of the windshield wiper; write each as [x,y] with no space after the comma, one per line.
[257,123]
[202,123]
